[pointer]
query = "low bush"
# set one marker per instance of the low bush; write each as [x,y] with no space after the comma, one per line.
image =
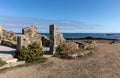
[64,50]
[32,53]
[2,62]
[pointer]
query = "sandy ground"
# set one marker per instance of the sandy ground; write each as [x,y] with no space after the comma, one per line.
[104,63]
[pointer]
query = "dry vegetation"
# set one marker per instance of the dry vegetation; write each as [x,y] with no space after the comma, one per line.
[104,63]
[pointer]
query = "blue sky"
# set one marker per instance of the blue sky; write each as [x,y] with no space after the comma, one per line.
[86,16]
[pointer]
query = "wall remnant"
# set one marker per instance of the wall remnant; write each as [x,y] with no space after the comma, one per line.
[56,38]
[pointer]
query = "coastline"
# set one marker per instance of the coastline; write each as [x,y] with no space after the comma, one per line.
[92,36]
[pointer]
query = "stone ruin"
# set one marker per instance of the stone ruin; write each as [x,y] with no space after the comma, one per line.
[30,35]
[7,35]
[1,31]
[8,38]
[56,37]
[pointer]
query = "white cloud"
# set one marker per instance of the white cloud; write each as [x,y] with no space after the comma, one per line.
[17,23]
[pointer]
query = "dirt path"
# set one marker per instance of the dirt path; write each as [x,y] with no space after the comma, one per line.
[105,63]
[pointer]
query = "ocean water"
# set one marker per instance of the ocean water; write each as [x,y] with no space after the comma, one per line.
[95,35]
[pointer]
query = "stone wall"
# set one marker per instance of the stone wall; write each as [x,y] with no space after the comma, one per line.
[7,35]
[9,43]
[30,35]
[45,41]
[8,38]
[55,35]
[22,40]
[1,30]
[56,38]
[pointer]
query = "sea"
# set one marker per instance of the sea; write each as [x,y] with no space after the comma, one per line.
[94,35]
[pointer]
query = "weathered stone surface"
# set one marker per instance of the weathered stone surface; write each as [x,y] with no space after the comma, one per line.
[1,30]
[82,45]
[84,53]
[89,45]
[80,54]
[92,44]
[8,35]
[30,31]
[56,37]
[32,34]
[73,56]
[9,43]
[45,41]
[22,40]
[12,64]
[72,45]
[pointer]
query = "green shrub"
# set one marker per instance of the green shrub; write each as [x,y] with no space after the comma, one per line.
[32,53]
[2,62]
[64,50]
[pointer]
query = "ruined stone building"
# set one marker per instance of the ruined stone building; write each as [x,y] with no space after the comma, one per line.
[30,35]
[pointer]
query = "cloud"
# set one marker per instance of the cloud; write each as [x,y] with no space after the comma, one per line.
[17,23]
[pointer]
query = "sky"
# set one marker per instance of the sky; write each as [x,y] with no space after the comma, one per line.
[71,16]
